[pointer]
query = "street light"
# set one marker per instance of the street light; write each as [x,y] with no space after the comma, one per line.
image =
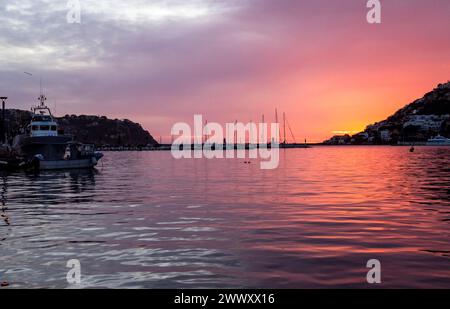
[3,136]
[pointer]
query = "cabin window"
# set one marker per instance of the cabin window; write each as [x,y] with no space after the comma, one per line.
[41,118]
[45,128]
[34,128]
[53,128]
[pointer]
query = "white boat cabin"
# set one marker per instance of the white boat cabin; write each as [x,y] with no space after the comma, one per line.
[42,122]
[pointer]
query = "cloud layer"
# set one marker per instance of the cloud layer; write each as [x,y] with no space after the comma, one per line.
[159,62]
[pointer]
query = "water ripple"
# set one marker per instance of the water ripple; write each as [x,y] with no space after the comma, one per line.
[147,220]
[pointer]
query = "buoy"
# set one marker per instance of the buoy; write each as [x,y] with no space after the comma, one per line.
[4,283]
[411,149]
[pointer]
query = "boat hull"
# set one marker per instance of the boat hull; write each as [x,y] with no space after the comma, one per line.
[438,141]
[45,165]
[51,147]
[55,153]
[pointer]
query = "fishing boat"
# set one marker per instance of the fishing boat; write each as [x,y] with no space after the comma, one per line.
[44,146]
[438,141]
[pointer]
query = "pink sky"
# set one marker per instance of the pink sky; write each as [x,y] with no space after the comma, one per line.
[161,62]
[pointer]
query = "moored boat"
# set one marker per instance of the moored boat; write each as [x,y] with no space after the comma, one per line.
[45,147]
[438,141]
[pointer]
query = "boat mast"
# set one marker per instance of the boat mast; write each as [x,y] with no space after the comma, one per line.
[292,133]
[251,133]
[262,131]
[276,121]
[42,100]
[235,134]
[205,132]
[42,97]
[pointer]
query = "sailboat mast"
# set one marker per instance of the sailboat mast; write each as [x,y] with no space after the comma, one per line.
[276,121]
[235,134]
[284,128]
[251,133]
[205,136]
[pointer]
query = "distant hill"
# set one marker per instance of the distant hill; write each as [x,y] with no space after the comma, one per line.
[96,130]
[416,122]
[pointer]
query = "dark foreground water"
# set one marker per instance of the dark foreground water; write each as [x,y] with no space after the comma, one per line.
[147,220]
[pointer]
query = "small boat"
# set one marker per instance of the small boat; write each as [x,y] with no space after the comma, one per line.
[438,141]
[45,147]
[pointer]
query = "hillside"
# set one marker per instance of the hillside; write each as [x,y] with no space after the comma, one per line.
[416,122]
[96,130]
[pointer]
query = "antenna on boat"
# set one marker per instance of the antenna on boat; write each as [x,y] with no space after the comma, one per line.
[42,100]
[41,97]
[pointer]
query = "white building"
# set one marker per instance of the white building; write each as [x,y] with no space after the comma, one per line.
[426,122]
[385,135]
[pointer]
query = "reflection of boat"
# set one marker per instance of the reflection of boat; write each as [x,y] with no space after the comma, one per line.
[45,147]
[438,141]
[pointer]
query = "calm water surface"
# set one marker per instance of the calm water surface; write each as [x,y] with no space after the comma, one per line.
[147,220]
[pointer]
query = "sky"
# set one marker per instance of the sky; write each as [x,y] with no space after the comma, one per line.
[159,62]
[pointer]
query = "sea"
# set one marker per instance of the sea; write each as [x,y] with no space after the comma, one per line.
[147,220]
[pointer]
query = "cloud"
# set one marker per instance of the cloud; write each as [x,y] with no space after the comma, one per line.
[162,61]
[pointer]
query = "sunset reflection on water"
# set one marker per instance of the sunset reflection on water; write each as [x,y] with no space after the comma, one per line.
[147,220]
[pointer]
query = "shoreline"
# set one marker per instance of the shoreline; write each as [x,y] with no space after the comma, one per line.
[167,147]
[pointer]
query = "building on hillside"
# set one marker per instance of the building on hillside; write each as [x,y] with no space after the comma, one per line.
[426,122]
[385,136]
